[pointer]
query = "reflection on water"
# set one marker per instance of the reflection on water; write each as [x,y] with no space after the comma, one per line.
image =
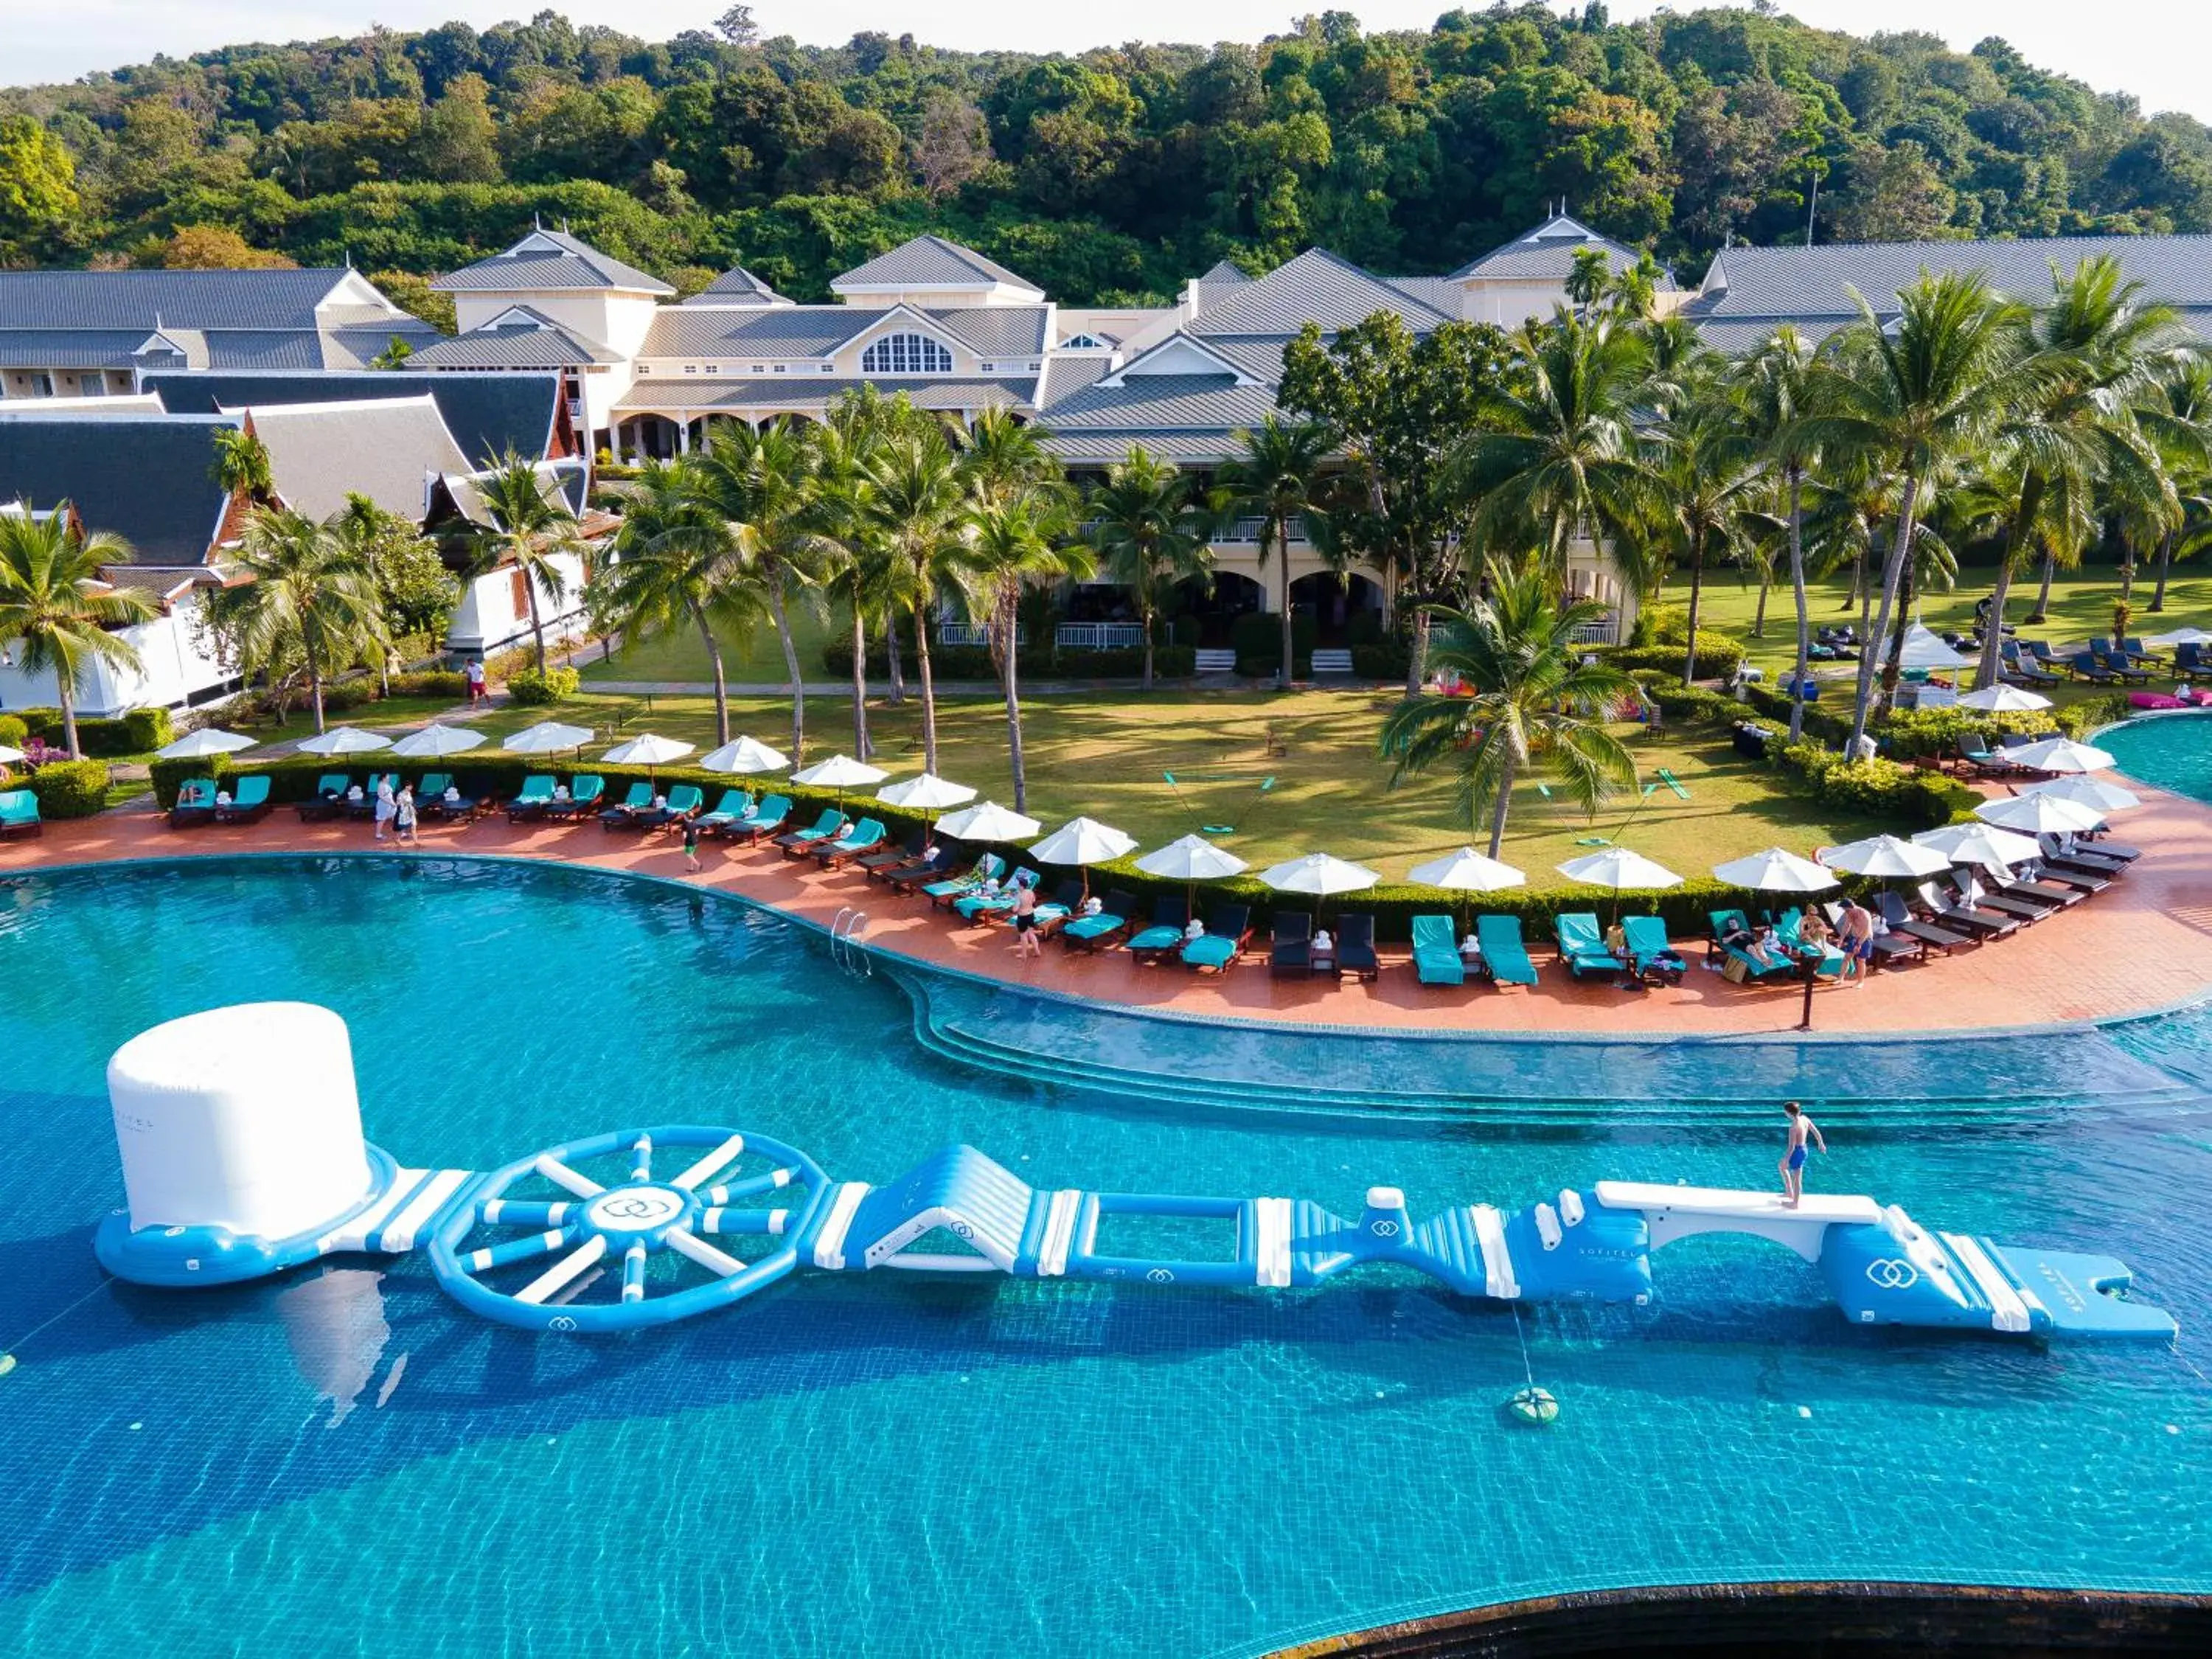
[335,1325]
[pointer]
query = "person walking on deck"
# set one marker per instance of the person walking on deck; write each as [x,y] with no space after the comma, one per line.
[1802,1129]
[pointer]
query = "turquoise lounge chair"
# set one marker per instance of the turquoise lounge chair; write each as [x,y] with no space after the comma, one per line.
[432,785]
[329,796]
[584,790]
[827,826]
[864,837]
[624,811]
[1089,932]
[989,867]
[1169,918]
[1724,922]
[989,907]
[19,813]
[247,802]
[1581,945]
[1503,951]
[1437,960]
[735,805]
[195,803]
[1217,949]
[682,801]
[1651,952]
[1832,959]
[532,799]
[775,812]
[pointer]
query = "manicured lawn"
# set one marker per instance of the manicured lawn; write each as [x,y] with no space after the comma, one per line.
[1106,755]
[755,660]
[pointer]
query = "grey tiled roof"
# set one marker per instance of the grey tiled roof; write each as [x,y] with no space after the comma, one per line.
[1065,375]
[149,478]
[929,262]
[540,343]
[685,332]
[181,299]
[487,414]
[266,349]
[1316,287]
[560,483]
[1440,293]
[812,391]
[1258,356]
[357,347]
[1547,252]
[68,348]
[387,450]
[737,287]
[1107,447]
[1225,275]
[1799,282]
[549,259]
[1203,402]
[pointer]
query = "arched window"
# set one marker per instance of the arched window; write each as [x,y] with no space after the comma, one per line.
[905,354]
[1082,342]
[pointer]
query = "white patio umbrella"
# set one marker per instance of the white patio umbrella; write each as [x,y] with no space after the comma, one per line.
[2004,700]
[744,756]
[9,756]
[2086,791]
[1320,874]
[1620,869]
[2039,815]
[1467,871]
[1191,860]
[343,740]
[925,792]
[2180,636]
[1923,649]
[1776,870]
[988,821]
[2060,755]
[1978,843]
[840,773]
[649,751]
[547,738]
[193,746]
[1885,858]
[435,742]
[1083,842]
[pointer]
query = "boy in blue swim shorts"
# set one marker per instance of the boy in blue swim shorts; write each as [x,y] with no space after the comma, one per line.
[1802,1129]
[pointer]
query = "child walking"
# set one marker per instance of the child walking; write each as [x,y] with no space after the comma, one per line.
[691,844]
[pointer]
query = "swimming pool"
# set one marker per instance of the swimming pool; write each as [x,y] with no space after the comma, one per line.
[2173,751]
[343,1462]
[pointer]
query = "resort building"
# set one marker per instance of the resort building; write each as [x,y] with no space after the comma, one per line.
[68,334]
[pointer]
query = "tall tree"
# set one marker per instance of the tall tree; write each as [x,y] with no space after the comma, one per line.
[1151,531]
[680,563]
[532,531]
[1015,542]
[1776,383]
[311,593]
[1276,478]
[1708,489]
[56,606]
[1915,396]
[1536,703]
[916,504]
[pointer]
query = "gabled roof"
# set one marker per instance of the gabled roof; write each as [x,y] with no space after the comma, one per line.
[142,299]
[1316,287]
[1225,275]
[930,262]
[150,478]
[812,392]
[520,337]
[736,287]
[387,450]
[486,415]
[1188,403]
[684,332]
[461,495]
[548,260]
[1181,356]
[1547,253]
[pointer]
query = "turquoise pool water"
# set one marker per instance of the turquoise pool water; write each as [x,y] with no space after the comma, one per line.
[2172,750]
[344,1462]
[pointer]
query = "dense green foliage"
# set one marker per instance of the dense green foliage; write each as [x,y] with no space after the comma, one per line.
[71,788]
[138,732]
[1114,173]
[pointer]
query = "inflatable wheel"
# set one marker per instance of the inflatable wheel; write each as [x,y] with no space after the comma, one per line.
[534,1243]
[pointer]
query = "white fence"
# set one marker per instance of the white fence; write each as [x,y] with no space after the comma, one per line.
[1099,636]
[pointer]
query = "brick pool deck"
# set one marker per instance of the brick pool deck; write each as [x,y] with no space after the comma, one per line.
[2144,944]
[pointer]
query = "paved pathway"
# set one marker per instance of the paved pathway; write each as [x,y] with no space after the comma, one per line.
[2145,944]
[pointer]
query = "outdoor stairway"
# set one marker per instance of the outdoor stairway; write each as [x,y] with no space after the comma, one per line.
[1332,663]
[1216,660]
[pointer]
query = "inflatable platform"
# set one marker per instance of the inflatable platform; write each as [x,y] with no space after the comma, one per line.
[243,1155]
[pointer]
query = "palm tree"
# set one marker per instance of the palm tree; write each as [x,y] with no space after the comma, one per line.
[842,516]
[241,465]
[1708,486]
[1774,380]
[761,482]
[916,505]
[1276,479]
[1913,397]
[310,592]
[1536,703]
[1557,458]
[682,564]
[2090,356]
[1002,456]
[2178,416]
[54,603]
[532,529]
[1014,543]
[1150,530]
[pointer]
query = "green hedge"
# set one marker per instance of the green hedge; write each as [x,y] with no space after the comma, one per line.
[2078,719]
[1937,732]
[1262,665]
[1386,660]
[13,731]
[1259,632]
[535,690]
[71,789]
[135,732]
[1718,656]
[431,682]
[1881,789]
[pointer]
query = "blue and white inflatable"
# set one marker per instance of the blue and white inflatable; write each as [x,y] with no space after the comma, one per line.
[243,1155]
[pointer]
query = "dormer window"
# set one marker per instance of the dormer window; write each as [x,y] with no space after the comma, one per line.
[905,354]
[1082,342]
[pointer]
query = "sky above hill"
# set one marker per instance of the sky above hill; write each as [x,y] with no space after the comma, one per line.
[2153,49]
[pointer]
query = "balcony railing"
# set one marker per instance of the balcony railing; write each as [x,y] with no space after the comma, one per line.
[961,633]
[1099,636]
[1235,531]
[1599,633]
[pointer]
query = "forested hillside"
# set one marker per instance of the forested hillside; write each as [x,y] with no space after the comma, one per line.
[1112,175]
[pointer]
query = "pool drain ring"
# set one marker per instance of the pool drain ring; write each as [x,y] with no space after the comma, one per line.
[618,1226]
[1536,1406]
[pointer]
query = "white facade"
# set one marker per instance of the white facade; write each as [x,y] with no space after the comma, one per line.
[493,614]
[177,665]
[614,317]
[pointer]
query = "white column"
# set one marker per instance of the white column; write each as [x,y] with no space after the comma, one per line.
[683,437]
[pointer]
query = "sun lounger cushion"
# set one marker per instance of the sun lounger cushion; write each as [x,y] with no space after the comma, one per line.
[1502,950]
[1437,960]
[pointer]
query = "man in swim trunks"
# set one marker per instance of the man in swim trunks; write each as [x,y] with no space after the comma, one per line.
[1802,1128]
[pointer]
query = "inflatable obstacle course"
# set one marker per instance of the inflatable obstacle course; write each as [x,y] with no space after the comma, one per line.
[243,1155]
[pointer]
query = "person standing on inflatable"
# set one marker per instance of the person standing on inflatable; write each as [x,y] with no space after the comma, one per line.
[1802,1129]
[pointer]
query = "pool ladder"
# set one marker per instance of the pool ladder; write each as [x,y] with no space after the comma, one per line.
[845,930]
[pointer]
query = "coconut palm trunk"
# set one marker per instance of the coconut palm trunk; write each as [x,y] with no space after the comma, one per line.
[1146,618]
[2165,568]
[1281,533]
[314,682]
[1009,668]
[721,680]
[1498,809]
[1893,571]
[892,658]
[1417,653]
[1797,593]
[1893,656]
[537,626]
[861,747]
[2043,598]
[928,692]
[791,670]
[1697,596]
